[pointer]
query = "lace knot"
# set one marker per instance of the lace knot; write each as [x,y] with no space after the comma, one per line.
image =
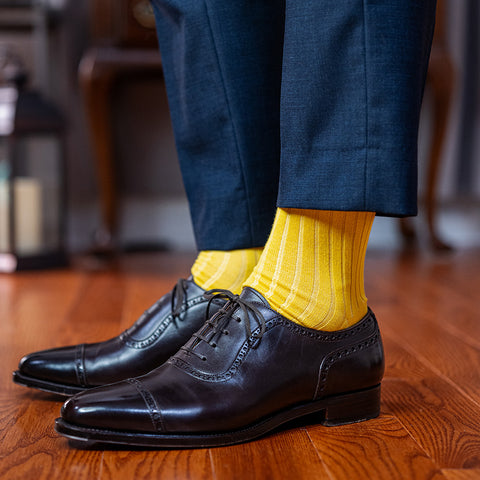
[216,325]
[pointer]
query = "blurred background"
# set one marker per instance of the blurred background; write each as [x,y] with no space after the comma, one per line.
[98,63]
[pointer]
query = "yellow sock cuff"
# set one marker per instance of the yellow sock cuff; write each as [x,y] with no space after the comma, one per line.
[224,269]
[311,270]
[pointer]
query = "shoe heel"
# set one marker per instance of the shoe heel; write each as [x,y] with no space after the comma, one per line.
[353,407]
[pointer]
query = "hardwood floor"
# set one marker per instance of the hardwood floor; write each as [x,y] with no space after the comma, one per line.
[430,422]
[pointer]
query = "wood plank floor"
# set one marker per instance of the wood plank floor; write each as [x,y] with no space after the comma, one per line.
[428,307]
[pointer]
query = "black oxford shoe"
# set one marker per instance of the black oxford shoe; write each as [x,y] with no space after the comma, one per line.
[245,372]
[152,339]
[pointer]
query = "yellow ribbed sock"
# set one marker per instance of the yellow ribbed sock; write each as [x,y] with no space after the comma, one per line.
[224,269]
[311,270]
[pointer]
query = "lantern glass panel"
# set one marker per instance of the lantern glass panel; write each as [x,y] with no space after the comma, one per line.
[4,196]
[34,187]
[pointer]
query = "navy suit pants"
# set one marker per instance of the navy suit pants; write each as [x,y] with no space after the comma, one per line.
[293,103]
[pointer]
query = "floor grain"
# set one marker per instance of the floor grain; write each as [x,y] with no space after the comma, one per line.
[429,428]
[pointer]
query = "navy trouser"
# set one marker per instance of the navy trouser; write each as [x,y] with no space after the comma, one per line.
[298,103]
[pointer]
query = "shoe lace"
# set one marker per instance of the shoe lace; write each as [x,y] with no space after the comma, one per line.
[216,325]
[178,300]
[179,297]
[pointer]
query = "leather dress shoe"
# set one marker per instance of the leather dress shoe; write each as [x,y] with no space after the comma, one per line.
[152,339]
[247,371]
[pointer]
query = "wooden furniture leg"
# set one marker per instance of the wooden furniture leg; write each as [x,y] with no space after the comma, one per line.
[440,82]
[99,69]
[96,79]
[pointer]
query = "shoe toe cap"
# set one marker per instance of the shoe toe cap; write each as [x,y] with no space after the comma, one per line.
[117,407]
[56,365]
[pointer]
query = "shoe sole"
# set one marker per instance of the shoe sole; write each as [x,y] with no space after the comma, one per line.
[336,410]
[45,385]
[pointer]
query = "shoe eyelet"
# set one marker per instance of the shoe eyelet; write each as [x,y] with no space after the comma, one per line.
[214,345]
[204,359]
[239,320]
[226,332]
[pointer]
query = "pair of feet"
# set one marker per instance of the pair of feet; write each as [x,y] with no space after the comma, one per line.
[199,370]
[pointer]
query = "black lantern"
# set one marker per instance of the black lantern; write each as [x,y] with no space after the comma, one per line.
[32,180]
